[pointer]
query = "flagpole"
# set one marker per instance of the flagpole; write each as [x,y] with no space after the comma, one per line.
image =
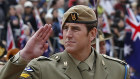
[97,36]
[107,30]
[10,38]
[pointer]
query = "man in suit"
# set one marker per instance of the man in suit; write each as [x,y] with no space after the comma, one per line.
[77,61]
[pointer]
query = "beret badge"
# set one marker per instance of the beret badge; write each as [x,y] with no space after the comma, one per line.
[74,16]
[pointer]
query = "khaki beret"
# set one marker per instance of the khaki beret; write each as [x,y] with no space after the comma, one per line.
[79,14]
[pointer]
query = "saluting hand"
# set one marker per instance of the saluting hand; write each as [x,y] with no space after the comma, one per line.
[37,45]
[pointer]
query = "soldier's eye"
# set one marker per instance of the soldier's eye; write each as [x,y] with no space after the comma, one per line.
[76,28]
[65,28]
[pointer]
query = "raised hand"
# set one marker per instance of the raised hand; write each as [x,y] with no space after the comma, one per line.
[36,45]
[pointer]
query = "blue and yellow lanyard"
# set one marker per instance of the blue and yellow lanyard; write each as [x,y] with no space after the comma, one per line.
[125,72]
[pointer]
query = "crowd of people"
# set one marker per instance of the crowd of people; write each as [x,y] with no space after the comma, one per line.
[25,17]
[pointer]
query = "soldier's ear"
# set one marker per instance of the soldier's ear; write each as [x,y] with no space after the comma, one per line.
[93,33]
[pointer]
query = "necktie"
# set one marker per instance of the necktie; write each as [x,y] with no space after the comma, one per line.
[83,68]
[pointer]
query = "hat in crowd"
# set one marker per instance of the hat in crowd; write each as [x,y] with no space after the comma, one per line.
[28,4]
[102,36]
[11,53]
[48,15]
[79,14]
[2,49]
[100,10]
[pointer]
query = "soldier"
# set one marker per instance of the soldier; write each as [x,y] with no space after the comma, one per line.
[78,61]
[102,38]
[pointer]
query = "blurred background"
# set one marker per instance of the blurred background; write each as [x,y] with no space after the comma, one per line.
[20,19]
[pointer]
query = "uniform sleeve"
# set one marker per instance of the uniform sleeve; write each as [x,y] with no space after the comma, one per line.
[18,68]
[128,72]
[19,60]
[13,68]
[32,71]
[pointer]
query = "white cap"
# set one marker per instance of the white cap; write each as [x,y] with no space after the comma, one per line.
[28,4]
[48,15]
[25,27]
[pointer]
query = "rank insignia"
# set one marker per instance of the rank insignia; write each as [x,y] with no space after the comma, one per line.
[24,75]
[74,16]
[65,63]
[28,69]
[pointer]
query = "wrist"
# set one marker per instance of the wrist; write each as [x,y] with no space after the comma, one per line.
[19,60]
[25,56]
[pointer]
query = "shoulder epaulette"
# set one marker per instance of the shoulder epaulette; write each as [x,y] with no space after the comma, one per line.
[114,59]
[43,58]
[2,63]
[55,57]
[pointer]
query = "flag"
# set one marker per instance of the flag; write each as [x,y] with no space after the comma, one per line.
[106,29]
[132,41]
[10,39]
[107,6]
[37,18]
[21,26]
[23,37]
[22,33]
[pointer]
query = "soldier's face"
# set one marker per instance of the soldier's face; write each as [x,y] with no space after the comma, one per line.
[102,47]
[75,37]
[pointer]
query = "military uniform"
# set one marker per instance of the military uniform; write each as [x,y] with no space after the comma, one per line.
[62,66]
[1,65]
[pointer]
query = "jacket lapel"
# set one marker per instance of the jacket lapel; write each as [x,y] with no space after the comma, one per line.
[71,69]
[100,71]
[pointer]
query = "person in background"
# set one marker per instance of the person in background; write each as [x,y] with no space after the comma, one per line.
[28,15]
[102,41]
[35,3]
[12,19]
[57,4]
[56,31]
[21,2]
[25,36]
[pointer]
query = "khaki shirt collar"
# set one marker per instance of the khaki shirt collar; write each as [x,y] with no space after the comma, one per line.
[87,61]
